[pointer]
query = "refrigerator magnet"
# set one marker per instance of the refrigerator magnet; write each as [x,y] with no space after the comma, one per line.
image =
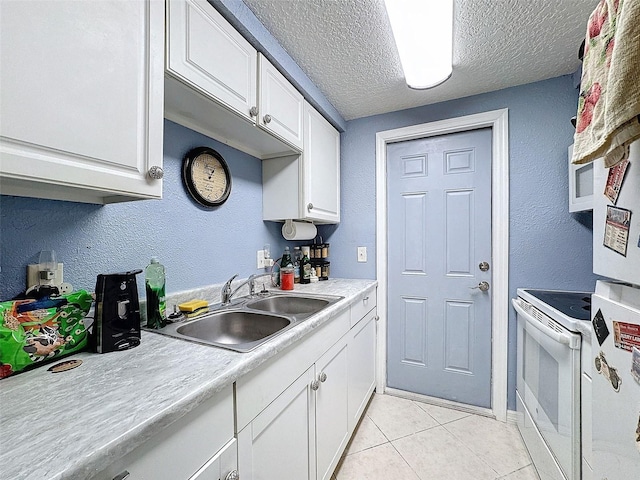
[607,371]
[614,181]
[616,229]
[626,336]
[635,364]
[600,327]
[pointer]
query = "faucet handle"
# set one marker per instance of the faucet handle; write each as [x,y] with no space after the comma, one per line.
[226,290]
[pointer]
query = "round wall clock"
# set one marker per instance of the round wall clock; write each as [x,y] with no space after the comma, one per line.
[206,176]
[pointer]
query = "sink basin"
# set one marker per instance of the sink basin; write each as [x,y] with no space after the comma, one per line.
[250,321]
[233,329]
[290,305]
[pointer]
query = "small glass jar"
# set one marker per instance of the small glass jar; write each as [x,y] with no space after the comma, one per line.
[312,251]
[325,250]
[324,270]
[317,251]
[286,278]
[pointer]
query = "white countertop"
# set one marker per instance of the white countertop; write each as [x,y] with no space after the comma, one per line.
[73,424]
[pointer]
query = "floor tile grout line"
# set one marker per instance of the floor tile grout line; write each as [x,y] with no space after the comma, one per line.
[461,440]
[407,462]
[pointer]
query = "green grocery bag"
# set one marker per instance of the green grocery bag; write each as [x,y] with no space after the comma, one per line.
[35,332]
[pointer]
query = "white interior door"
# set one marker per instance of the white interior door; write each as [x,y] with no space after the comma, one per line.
[439,248]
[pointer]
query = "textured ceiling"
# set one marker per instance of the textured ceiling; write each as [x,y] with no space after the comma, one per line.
[346,48]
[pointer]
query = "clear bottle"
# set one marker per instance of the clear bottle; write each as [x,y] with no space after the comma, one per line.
[297,256]
[305,266]
[154,279]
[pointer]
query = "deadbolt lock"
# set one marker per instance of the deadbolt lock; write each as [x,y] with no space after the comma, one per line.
[484,266]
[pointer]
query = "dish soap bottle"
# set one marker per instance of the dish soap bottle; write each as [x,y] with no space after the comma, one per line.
[156,303]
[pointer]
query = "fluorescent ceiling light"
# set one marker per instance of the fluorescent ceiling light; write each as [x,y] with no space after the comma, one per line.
[423,30]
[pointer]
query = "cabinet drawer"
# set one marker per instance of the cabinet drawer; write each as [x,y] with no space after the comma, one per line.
[256,390]
[363,305]
[181,449]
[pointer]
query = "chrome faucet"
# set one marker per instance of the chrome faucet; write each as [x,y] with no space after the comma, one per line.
[226,294]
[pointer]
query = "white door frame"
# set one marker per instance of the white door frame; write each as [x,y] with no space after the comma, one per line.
[498,121]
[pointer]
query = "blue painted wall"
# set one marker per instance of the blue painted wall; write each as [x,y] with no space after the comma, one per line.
[549,247]
[198,247]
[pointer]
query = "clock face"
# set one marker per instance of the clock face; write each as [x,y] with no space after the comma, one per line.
[206,177]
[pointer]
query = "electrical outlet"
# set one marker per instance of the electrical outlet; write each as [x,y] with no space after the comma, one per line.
[362,254]
[33,275]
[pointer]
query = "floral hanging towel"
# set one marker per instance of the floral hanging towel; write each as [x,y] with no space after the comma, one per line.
[608,118]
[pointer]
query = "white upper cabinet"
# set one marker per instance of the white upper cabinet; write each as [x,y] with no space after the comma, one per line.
[212,84]
[281,105]
[321,168]
[307,186]
[204,50]
[82,100]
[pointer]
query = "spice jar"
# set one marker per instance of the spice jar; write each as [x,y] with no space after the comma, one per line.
[324,270]
[325,250]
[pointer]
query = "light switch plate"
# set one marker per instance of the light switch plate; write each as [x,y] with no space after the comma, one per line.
[362,254]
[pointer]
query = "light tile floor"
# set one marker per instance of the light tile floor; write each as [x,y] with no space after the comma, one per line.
[410,440]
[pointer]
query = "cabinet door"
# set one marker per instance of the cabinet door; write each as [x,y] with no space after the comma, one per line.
[332,423]
[321,169]
[81,103]
[206,52]
[280,105]
[362,366]
[280,442]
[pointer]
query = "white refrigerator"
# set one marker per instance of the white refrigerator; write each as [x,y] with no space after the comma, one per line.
[615,315]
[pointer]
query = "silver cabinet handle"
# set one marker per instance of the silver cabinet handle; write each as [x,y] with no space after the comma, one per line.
[366,299]
[156,172]
[323,377]
[253,112]
[232,475]
[122,476]
[315,385]
[483,286]
[310,207]
[266,118]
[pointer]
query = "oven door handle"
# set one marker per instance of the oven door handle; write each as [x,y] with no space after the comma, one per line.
[571,341]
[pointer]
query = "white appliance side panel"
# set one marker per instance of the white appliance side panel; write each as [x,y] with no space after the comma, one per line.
[607,262]
[616,414]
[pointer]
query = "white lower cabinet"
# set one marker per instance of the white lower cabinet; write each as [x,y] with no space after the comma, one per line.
[332,417]
[362,366]
[297,412]
[200,445]
[280,442]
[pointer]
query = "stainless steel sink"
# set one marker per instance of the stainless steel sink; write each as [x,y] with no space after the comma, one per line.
[290,305]
[249,322]
[237,330]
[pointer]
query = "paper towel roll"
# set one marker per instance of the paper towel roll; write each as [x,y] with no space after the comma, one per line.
[299,230]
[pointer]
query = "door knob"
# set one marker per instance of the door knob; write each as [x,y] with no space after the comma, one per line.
[483,286]
[315,385]
[267,118]
[323,377]
[253,111]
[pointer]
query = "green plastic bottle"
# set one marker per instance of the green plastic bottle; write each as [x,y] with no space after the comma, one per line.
[154,279]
